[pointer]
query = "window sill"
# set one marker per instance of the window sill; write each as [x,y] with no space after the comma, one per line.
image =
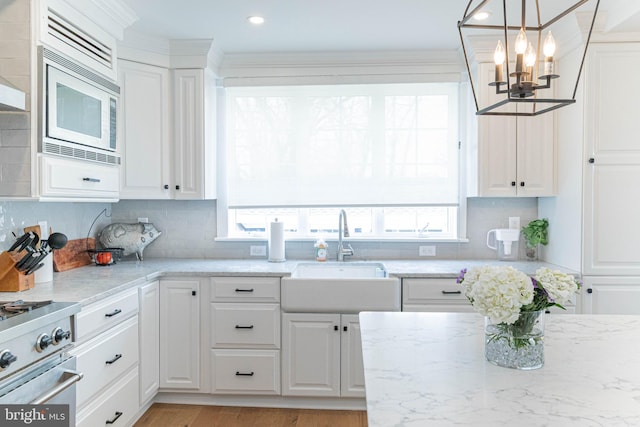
[348,239]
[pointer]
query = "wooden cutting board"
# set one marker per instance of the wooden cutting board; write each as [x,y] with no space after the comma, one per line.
[73,255]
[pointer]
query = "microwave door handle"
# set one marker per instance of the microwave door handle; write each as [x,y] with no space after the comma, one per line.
[87,179]
[72,378]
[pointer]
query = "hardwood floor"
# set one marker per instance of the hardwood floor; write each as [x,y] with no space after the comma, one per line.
[169,415]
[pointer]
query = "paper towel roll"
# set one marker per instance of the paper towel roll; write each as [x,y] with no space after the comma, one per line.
[44,273]
[276,242]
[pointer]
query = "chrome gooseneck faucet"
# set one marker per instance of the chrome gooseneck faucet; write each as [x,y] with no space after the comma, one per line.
[342,251]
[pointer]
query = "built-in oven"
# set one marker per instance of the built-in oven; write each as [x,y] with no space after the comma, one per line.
[37,372]
[78,110]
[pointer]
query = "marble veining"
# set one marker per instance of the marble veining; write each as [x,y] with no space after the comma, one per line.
[429,369]
[92,283]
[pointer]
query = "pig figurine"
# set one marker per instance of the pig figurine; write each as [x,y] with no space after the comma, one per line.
[133,238]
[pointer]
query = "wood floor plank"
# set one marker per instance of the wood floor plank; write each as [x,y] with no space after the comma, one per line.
[170,415]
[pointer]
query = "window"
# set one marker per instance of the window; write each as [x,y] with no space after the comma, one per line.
[388,153]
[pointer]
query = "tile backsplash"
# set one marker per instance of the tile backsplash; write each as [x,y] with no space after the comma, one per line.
[72,219]
[189,231]
[189,228]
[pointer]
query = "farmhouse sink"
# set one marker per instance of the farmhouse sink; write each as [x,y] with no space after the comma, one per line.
[345,287]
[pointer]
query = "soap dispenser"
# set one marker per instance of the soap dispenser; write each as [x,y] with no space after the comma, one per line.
[321,250]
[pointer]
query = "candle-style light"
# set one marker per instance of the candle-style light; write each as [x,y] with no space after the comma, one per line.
[499,56]
[549,49]
[520,48]
[529,61]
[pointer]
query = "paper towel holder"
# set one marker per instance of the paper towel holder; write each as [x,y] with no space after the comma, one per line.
[276,242]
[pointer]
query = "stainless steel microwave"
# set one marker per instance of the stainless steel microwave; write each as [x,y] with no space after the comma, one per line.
[78,110]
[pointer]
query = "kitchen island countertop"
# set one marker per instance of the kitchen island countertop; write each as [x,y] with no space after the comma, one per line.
[92,283]
[429,369]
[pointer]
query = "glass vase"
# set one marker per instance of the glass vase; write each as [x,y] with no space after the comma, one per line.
[531,252]
[519,345]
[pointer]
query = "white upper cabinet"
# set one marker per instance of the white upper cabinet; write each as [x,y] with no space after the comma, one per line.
[194,134]
[512,156]
[612,163]
[144,131]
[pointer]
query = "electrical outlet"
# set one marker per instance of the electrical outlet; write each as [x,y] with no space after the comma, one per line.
[143,219]
[427,251]
[514,222]
[258,250]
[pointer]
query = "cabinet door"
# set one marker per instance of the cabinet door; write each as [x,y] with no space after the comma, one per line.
[535,156]
[611,190]
[352,367]
[194,134]
[144,131]
[611,295]
[179,334]
[149,333]
[310,354]
[496,144]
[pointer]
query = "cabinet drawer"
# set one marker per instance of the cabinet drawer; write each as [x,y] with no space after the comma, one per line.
[116,407]
[105,358]
[245,371]
[245,289]
[415,291]
[105,314]
[245,325]
[62,177]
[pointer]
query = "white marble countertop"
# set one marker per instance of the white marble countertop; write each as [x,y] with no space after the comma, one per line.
[92,283]
[428,369]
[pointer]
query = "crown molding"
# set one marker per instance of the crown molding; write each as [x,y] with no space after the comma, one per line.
[113,16]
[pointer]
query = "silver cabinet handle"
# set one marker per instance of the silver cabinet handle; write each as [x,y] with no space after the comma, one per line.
[91,179]
[73,377]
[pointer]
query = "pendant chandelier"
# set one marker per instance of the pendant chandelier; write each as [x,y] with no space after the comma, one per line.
[522,41]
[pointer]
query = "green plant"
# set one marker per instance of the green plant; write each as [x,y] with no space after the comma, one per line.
[536,232]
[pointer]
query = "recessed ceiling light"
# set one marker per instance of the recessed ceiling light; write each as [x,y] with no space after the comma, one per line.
[481,16]
[256,20]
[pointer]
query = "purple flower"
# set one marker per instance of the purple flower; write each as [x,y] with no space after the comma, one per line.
[461,275]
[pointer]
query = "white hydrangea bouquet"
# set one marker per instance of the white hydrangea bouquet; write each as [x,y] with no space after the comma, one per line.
[503,294]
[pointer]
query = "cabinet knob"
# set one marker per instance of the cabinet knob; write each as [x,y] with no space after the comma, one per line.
[521,183]
[589,291]
[193,293]
[513,183]
[177,187]
[592,160]
[166,186]
[335,327]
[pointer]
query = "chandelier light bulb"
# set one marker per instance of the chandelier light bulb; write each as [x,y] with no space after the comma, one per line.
[530,56]
[521,42]
[499,55]
[549,47]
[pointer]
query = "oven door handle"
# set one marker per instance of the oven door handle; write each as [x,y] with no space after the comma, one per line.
[72,377]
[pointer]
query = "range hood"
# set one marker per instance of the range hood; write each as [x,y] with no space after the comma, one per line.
[11,99]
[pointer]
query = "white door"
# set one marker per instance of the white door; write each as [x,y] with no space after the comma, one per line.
[149,336]
[611,295]
[352,367]
[535,156]
[144,129]
[179,334]
[612,164]
[310,354]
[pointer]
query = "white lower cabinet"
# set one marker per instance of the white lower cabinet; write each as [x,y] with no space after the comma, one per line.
[180,334]
[434,295]
[611,295]
[116,407]
[107,354]
[240,371]
[244,325]
[322,355]
[149,332]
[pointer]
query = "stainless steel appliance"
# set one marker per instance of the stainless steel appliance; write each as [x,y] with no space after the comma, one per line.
[78,110]
[35,366]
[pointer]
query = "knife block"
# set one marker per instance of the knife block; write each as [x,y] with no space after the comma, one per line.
[11,279]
